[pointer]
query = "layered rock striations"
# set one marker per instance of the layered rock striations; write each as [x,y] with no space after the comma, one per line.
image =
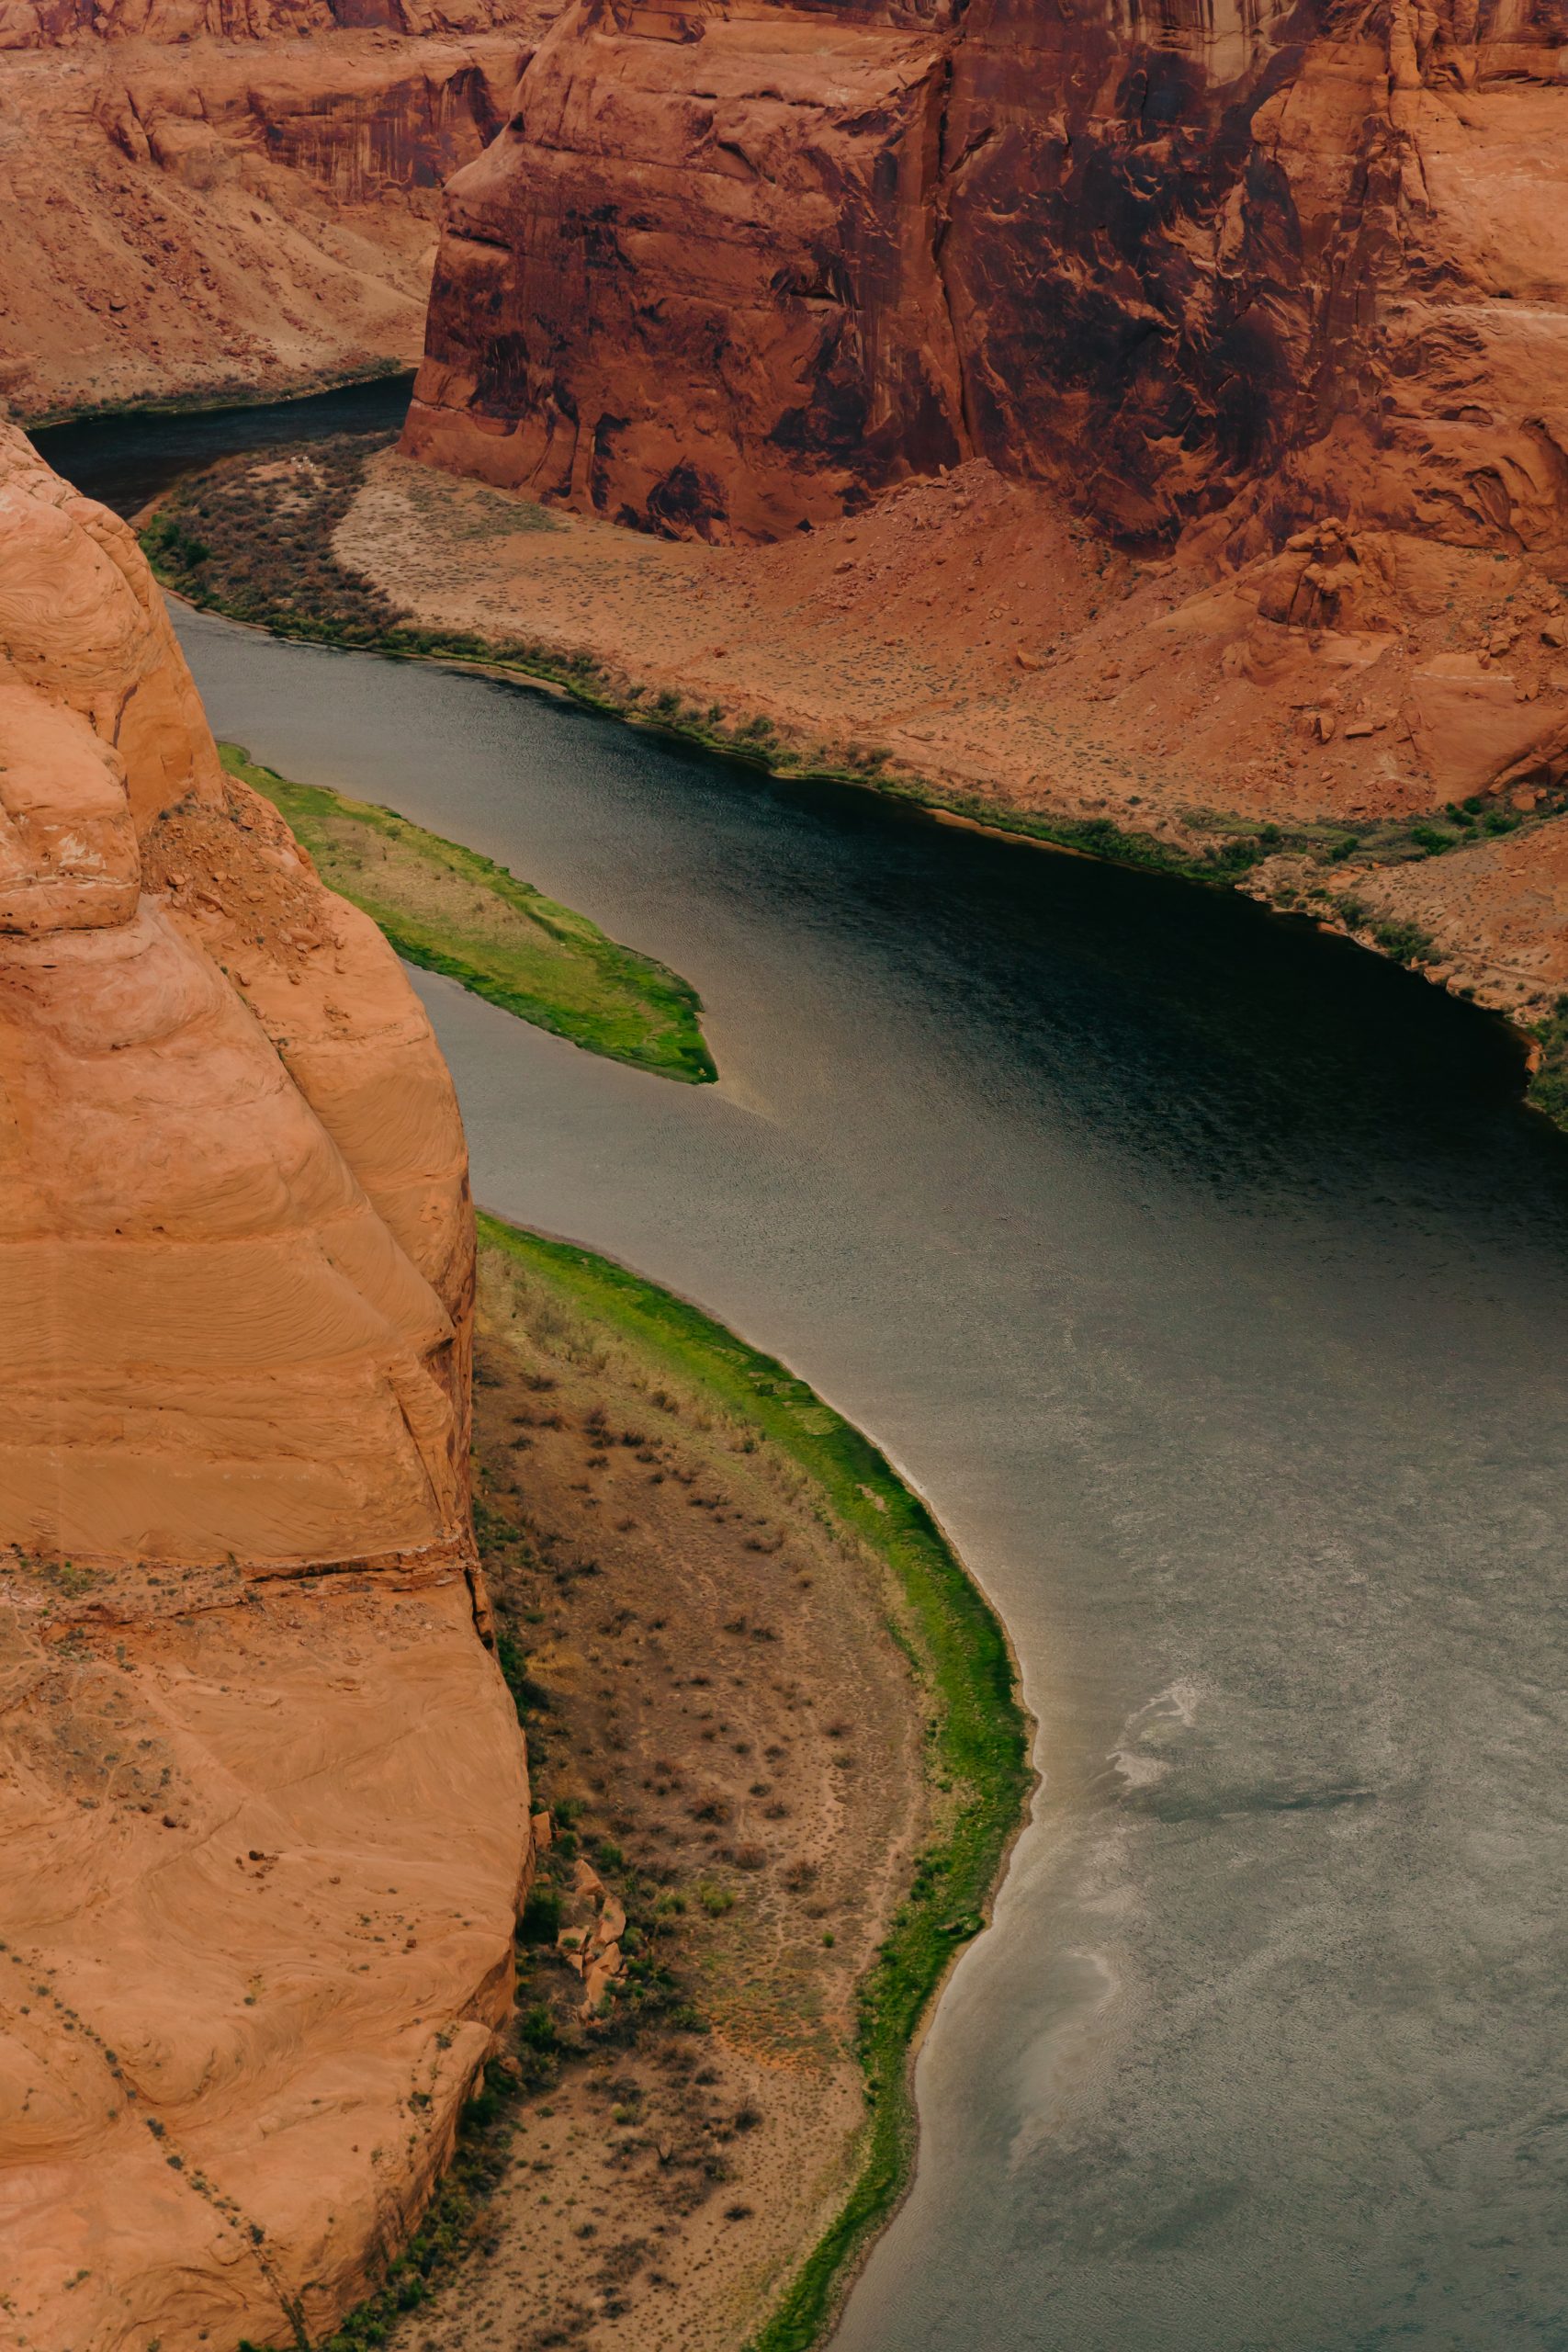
[264,1803]
[1230,348]
[209,200]
[729,269]
[691,283]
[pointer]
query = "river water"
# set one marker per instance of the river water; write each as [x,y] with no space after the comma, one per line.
[1208,1278]
[126,460]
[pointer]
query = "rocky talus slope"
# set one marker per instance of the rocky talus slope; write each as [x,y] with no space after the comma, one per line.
[264,1804]
[207,200]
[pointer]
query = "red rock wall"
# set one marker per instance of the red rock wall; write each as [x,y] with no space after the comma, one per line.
[729,269]
[48,24]
[691,283]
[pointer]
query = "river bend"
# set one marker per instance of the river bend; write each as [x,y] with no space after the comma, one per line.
[1207,1276]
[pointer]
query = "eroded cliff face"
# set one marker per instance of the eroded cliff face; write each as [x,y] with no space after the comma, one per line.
[264,1802]
[209,198]
[729,269]
[691,283]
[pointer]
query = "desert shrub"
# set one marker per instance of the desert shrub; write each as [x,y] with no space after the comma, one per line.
[240,539]
[1406,942]
[540,1923]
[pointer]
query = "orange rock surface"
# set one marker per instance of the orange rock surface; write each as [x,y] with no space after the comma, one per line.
[733,267]
[209,201]
[973,637]
[264,1802]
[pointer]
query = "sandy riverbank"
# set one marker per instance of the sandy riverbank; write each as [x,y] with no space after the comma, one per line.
[978,634]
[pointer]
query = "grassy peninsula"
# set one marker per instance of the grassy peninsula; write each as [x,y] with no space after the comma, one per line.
[976,1744]
[448,910]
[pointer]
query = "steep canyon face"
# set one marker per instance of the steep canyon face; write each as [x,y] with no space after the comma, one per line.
[209,200]
[732,269]
[263,1798]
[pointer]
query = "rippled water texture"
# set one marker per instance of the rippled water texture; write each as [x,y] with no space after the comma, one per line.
[1207,1276]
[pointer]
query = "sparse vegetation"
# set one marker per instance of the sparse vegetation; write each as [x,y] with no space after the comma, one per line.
[976,1747]
[663,2071]
[252,537]
[1549,1083]
[1406,942]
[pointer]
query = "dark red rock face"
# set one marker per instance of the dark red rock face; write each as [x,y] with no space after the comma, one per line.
[730,270]
[49,24]
[1089,185]
[691,283]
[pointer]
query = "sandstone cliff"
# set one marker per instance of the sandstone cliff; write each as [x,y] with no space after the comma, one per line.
[207,199]
[732,268]
[264,1804]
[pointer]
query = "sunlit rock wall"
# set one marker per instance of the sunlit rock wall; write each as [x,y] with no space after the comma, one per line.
[263,1797]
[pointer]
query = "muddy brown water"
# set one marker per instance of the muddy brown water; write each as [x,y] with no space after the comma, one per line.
[1209,1278]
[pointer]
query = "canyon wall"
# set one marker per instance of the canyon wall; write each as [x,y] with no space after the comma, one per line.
[212,198]
[264,1803]
[732,269]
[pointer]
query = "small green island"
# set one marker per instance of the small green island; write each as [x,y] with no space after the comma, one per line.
[449,910]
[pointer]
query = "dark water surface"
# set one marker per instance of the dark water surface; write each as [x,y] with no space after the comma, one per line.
[1208,1279]
[126,460]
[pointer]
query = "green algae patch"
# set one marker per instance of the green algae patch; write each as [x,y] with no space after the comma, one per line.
[448,910]
[977,1746]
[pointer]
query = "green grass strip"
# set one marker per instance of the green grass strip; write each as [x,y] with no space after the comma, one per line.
[977,1740]
[448,910]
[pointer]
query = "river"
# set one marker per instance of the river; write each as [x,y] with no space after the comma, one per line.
[1209,1278]
[126,460]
